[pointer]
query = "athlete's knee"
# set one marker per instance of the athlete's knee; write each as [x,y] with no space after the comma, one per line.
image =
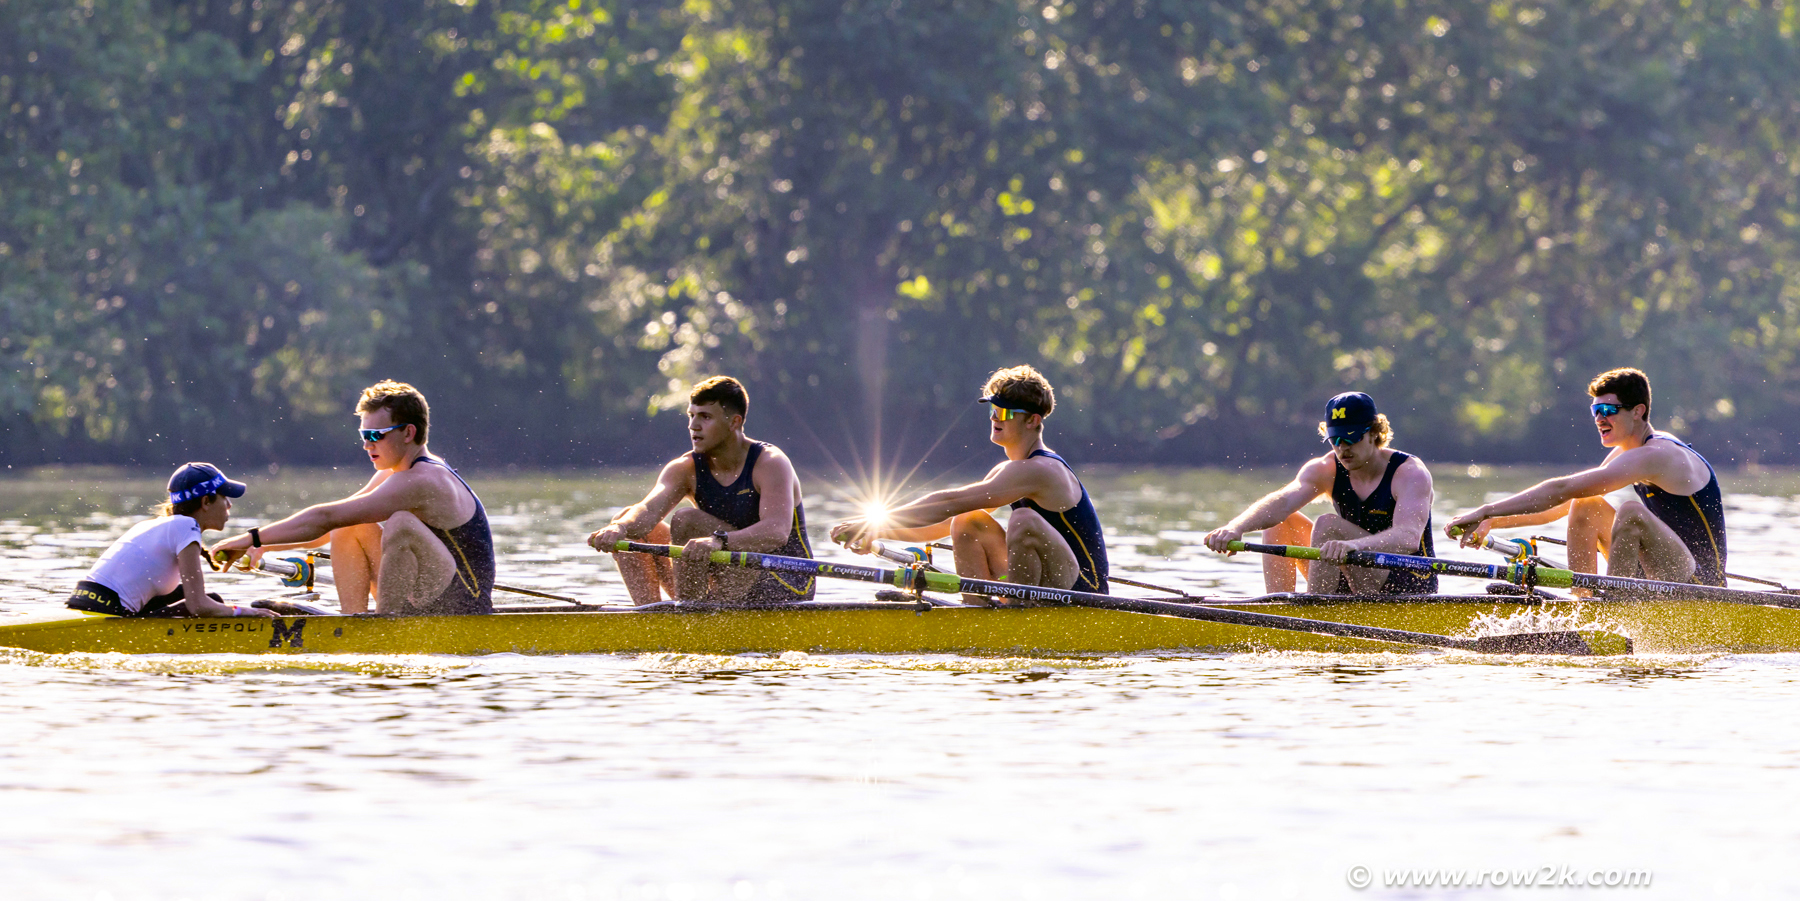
[402,526]
[973,523]
[1332,527]
[1631,515]
[1296,529]
[1025,525]
[690,522]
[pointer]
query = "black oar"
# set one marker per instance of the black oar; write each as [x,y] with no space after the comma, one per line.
[918,579]
[1529,575]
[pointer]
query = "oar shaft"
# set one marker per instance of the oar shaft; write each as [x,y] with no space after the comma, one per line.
[1741,578]
[1383,560]
[795,565]
[953,583]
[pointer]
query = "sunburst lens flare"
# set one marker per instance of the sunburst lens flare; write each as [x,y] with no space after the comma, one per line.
[875,511]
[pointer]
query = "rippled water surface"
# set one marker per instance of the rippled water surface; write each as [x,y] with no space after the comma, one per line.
[695,777]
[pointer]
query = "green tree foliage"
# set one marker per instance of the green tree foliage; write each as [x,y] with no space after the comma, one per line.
[1200,220]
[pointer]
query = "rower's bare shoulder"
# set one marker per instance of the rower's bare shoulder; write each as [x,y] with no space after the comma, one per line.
[773,465]
[1320,470]
[1413,467]
[1413,474]
[679,472]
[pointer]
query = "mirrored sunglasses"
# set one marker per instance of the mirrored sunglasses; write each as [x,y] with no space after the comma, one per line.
[370,436]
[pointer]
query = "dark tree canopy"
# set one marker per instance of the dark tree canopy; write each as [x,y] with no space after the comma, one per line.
[218,220]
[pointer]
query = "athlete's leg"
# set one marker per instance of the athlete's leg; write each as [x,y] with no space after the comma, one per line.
[1590,536]
[1322,577]
[415,565]
[979,543]
[1280,573]
[1590,533]
[356,564]
[646,576]
[1036,554]
[1643,545]
[699,580]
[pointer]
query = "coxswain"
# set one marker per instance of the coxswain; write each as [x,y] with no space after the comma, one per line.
[1674,531]
[1052,535]
[746,497]
[1381,499]
[416,535]
[157,567]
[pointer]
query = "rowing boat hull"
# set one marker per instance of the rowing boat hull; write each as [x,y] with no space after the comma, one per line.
[1657,627]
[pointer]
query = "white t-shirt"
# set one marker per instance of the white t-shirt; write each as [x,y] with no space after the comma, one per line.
[141,564]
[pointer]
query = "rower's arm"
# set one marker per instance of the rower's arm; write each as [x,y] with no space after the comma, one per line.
[401,492]
[778,485]
[193,587]
[1008,482]
[934,532]
[673,485]
[1412,489]
[1617,472]
[1531,519]
[1313,481]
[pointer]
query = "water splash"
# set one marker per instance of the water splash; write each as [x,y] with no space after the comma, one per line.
[1529,620]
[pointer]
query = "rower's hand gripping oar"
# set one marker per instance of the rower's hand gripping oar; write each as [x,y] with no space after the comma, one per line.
[916,578]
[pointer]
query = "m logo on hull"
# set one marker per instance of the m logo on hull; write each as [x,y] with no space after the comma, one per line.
[281,630]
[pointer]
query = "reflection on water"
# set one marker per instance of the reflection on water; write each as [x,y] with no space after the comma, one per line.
[669,776]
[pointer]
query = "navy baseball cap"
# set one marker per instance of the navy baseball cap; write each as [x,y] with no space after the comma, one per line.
[199,480]
[1349,414]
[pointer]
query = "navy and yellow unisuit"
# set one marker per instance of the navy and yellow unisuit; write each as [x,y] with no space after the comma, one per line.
[1375,514]
[739,505]
[471,546]
[1080,527]
[1698,519]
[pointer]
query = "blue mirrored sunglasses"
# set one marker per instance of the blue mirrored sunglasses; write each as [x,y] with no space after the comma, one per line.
[1346,440]
[370,436]
[1605,409]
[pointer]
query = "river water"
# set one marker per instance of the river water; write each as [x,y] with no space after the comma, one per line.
[663,776]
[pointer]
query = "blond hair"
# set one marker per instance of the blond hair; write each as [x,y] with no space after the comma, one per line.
[1021,388]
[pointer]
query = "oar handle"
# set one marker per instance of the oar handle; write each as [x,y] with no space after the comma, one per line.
[1290,551]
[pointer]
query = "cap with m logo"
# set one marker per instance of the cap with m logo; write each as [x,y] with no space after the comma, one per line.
[1349,414]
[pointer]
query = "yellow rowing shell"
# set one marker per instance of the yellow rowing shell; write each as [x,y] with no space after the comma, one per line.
[1656,627]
